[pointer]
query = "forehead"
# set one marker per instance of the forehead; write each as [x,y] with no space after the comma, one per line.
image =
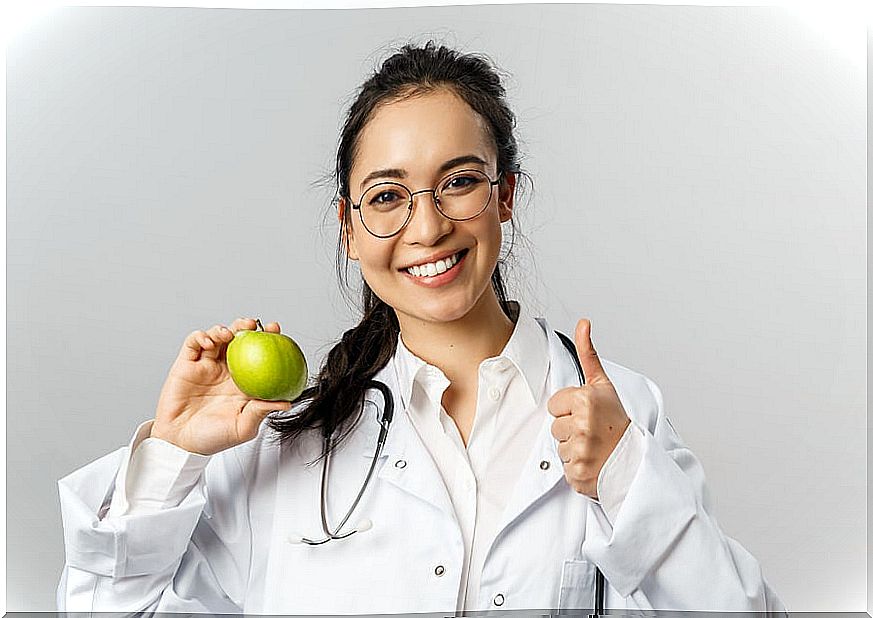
[419,133]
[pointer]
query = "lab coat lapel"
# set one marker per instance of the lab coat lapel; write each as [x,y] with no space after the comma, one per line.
[543,469]
[408,464]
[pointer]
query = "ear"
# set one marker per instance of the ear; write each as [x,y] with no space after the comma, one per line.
[506,196]
[348,235]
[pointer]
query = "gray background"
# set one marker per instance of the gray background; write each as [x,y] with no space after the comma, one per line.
[700,195]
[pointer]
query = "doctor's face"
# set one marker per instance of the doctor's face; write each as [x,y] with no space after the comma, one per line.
[418,142]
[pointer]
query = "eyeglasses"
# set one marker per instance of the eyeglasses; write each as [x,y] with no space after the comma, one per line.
[386,207]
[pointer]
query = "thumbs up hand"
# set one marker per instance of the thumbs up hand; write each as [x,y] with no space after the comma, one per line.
[589,419]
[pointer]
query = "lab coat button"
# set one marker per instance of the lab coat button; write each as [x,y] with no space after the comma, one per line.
[494,393]
[498,600]
[400,463]
[439,570]
[544,465]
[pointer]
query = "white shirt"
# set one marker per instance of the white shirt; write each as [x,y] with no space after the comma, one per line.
[511,402]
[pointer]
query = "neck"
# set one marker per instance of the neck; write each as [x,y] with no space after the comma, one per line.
[459,346]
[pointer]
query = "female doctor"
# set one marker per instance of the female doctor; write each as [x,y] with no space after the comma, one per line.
[503,479]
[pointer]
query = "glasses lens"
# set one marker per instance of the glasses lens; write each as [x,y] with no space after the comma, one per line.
[384,208]
[464,194]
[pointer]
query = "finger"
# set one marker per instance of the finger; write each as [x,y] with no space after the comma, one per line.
[591,367]
[272,327]
[243,324]
[562,429]
[217,336]
[565,452]
[191,347]
[561,402]
[254,413]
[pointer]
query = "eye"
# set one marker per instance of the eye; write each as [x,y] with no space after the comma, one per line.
[384,198]
[462,183]
[459,182]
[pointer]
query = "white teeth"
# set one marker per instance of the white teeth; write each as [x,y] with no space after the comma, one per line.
[433,268]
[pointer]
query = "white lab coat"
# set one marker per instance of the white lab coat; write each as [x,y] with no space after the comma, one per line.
[224,549]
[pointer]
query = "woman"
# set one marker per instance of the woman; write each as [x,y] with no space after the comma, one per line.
[504,483]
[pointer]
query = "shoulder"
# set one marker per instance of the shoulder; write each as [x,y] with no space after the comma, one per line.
[640,396]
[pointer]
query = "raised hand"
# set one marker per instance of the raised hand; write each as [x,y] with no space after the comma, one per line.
[200,409]
[589,419]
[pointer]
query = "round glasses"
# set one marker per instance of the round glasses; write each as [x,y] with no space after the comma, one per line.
[386,207]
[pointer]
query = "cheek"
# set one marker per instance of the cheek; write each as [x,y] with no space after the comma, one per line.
[491,237]
[374,257]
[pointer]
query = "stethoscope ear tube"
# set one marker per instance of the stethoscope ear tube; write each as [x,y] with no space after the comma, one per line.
[388,410]
[599,580]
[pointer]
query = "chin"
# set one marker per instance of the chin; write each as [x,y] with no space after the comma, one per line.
[439,311]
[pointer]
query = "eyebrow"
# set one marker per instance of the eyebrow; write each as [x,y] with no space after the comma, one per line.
[396,172]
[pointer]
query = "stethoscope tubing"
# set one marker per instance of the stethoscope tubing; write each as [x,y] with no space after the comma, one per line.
[599,580]
[385,423]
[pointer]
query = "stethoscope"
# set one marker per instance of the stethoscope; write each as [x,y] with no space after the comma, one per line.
[384,423]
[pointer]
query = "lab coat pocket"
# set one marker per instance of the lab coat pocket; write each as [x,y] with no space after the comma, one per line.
[577,585]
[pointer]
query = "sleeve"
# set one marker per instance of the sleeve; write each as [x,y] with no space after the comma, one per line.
[617,473]
[188,554]
[157,475]
[664,549]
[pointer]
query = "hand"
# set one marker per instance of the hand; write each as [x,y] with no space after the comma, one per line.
[200,408]
[589,419]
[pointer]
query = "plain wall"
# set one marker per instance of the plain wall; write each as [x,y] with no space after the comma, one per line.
[700,196]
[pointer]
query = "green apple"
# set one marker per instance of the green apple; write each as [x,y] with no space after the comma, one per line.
[268,366]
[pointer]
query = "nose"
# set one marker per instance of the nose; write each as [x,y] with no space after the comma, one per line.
[426,224]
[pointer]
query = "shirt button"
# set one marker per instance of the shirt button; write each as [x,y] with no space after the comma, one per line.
[400,463]
[439,570]
[544,465]
[494,393]
[498,600]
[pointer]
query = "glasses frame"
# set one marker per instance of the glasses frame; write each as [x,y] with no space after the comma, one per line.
[432,191]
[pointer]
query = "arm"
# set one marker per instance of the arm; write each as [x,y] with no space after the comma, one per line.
[660,546]
[176,554]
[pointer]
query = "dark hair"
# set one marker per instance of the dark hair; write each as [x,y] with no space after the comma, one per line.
[335,401]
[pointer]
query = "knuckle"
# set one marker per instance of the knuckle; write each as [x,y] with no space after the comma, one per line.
[586,459]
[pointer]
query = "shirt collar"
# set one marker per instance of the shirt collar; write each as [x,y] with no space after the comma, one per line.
[527,349]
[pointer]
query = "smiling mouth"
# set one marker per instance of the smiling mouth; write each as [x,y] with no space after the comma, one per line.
[432,269]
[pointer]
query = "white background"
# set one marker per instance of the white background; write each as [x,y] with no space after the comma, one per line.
[699,195]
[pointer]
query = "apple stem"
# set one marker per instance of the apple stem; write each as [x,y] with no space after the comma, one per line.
[258,322]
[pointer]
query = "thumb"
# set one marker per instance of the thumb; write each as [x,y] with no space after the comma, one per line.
[591,366]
